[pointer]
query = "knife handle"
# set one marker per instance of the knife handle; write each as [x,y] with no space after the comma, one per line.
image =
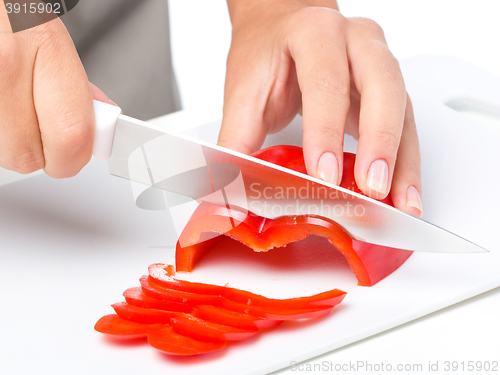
[106,116]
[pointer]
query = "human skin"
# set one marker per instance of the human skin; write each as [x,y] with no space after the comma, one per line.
[46,111]
[303,56]
[286,56]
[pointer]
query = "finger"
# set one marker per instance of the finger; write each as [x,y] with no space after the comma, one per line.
[406,189]
[260,97]
[99,95]
[63,103]
[380,83]
[20,142]
[242,127]
[323,76]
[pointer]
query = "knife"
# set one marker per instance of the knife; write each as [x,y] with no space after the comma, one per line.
[150,155]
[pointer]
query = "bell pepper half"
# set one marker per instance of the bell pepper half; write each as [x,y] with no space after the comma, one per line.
[370,263]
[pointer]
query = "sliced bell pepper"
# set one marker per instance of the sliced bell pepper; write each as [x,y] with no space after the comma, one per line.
[231,318]
[136,297]
[199,329]
[160,336]
[117,327]
[277,314]
[186,324]
[370,263]
[182,322]
[154,290]
[162,275]
[168,341]
[144,315]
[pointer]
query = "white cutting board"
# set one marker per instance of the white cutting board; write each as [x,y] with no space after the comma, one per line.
[69,248]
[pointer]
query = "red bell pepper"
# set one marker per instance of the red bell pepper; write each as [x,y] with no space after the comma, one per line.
[154,290]
[198,318]
[199,329]
[117,327]
[370,263]
[168,341]
[160,336]
[161,276]
[232,318]
[143,314]
[136,297]
[157,286]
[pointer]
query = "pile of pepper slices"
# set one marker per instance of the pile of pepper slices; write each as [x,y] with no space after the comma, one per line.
[185,318]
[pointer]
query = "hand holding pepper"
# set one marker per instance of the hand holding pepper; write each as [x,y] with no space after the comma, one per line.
[303,56]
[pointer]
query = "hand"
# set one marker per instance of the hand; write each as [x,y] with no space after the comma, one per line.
[46,109]
[289,56]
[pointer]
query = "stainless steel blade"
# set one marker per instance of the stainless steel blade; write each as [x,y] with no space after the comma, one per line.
[206,172]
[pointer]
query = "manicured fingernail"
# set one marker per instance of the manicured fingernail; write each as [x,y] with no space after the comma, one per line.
[328,168]
[413,198]
[378,177]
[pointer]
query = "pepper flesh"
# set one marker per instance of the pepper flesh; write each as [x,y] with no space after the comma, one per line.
[370,263]
[196,318]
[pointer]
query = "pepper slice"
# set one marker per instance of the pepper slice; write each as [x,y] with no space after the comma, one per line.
[144,315]
[370,263]
[277,314]
[232,318]
[199,329]
[154,290]
[160,336]
[186,324]
[168,341]
[136,297]
[117,327]
[162,275]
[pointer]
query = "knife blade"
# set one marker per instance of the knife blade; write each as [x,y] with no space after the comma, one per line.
[177,163]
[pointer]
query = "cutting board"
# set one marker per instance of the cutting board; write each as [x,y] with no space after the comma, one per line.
[69,248]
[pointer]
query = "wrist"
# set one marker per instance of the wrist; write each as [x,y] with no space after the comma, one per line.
[244,9]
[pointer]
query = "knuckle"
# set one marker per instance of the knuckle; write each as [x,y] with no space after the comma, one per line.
[387,139]
[9,58]
[367,25]
[73,135]
[391,74]
[317,17]
[332,83]
[413,168]
[26,162]
[329,133]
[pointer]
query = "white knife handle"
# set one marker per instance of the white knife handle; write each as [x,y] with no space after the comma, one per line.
[106,116]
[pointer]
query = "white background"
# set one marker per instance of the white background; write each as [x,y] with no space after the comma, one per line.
[201,32]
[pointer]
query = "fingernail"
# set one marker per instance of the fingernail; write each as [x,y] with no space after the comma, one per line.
[378,177]
[328,168]
[413,198]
